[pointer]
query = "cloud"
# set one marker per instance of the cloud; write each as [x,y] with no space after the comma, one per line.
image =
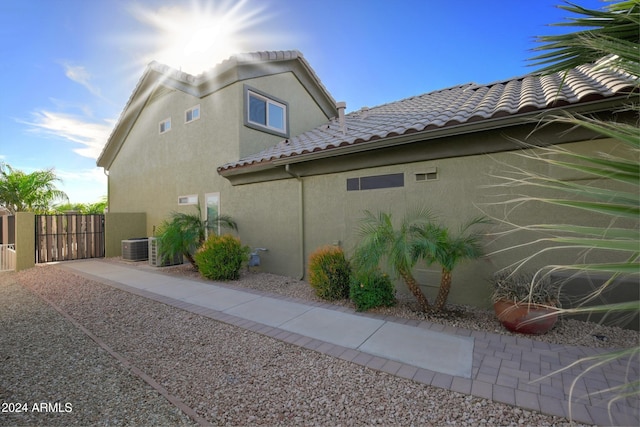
[80,75]
[90,135]
[83,186]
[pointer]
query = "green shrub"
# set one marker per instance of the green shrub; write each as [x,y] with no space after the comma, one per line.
[221,257]
[371,289]
[329,273]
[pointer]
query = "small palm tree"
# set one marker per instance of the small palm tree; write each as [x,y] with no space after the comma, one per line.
[448,250]
[381,239]
[28,192]
[184,233]
[417,238]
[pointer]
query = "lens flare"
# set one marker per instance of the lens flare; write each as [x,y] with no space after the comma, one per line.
[196,38]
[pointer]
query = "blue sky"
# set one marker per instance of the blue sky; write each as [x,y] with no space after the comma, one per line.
[69,66]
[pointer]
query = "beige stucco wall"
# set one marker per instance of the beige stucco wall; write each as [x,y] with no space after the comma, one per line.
[25,240]
[151,170]
[292,217]
[269,214]
[119,226]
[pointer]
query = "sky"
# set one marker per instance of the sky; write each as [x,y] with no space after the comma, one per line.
[68,67]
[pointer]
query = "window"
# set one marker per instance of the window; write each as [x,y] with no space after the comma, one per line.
[191,199]
[192,114]
[213,210]
[266,113]
[165,125]
[375,181]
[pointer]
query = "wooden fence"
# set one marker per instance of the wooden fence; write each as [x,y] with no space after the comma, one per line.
[68,237]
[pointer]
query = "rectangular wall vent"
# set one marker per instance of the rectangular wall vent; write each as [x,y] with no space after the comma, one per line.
[430,174]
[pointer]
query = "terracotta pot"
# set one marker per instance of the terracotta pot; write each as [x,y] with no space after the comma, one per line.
[522,317]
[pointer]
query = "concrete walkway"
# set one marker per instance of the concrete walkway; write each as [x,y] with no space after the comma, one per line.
[507,369]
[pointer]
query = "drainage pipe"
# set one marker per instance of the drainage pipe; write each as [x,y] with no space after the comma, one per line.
[301,218]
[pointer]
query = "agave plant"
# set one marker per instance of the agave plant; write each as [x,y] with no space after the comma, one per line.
[184,233]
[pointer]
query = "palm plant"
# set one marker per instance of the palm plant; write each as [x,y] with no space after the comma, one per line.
[380,239]
[84,208]
[612,42]
[184,233]
[448,250]
[28,192]
[417,238]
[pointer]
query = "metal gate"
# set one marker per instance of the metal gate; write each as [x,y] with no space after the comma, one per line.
[68,237]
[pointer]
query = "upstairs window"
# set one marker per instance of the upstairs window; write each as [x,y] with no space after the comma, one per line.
[192,114]
[266,113]
[165,125]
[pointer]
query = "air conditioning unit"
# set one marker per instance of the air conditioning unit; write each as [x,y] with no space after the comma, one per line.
[154,256]
[135,249]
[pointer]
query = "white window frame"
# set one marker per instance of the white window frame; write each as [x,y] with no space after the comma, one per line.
[268,100]
[164,122]
[189,199]
[191,110]
[208,198]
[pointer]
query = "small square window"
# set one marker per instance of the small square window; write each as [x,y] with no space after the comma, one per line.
[192,114]
[165,125]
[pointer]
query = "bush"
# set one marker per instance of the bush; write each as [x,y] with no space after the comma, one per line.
[329,273]
[221,257]
[371,289]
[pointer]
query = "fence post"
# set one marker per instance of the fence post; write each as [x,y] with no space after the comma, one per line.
[25,240]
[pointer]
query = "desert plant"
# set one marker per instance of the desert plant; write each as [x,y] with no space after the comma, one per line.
[448,250]
[221,257]
[418,237]
[611,41]
[329,273]
[524,288]
[371,289]
[184,233]
[382,240]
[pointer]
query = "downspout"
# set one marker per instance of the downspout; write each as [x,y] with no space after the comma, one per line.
[106,173]
[301,219]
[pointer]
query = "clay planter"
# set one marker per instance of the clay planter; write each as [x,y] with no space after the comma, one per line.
[518,317]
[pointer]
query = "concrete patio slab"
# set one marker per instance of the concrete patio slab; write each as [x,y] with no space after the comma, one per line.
[269,311]
[449,354]
[218,298]
[332,326]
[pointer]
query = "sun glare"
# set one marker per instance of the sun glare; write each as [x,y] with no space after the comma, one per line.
[196,38]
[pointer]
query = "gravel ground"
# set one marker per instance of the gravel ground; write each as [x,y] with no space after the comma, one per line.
[228,375]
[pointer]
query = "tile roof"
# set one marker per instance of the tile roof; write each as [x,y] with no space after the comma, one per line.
[442,109]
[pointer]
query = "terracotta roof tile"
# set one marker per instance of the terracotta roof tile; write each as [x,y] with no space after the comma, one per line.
[452,106]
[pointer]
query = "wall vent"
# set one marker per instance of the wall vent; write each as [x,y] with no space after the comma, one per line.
[428,175]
